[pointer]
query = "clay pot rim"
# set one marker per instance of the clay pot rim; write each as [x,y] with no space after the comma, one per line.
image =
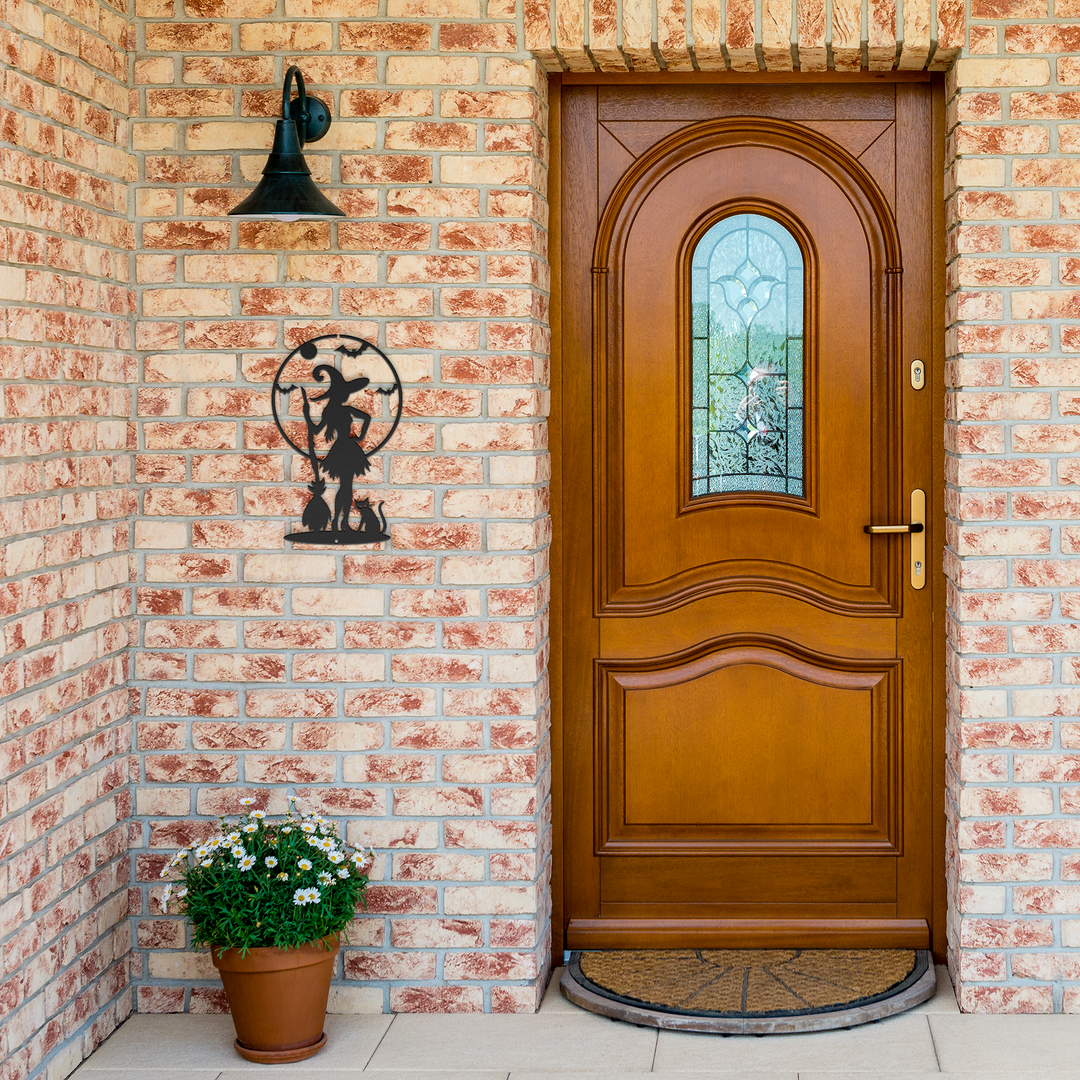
[271,958]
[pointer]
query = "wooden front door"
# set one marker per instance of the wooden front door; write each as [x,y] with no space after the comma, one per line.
[749,748]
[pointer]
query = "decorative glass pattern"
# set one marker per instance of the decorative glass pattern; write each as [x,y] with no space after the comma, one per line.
[747,297]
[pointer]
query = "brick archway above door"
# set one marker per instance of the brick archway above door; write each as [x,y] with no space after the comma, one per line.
[643,35]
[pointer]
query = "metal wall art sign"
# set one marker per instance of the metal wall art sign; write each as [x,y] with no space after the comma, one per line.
[346,397]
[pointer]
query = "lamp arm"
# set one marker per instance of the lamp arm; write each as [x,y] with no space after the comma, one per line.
[295,73]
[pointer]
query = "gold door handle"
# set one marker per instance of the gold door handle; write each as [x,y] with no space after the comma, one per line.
[917,529]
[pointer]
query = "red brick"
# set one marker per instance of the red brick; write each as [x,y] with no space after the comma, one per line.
[383,169]
[291,703]
[401,900]
[446,603]
[435,933]
[383,702]
[437,802]
[1057,767]
[172,702]
[436,735]
[436,999]
[425,867]
[238,736]
[386,965]
[191,768]
[389,569]
[387,103]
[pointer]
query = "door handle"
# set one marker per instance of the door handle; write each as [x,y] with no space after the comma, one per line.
[917,529]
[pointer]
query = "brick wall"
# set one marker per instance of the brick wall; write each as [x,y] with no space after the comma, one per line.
[66,375]
[1012,437]
[400,689]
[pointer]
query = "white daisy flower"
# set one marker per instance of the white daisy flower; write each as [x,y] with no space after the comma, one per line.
[238,851]
[181,893]
[247,862]
[207,862]
[247,802]
[309,827]
[251,826]
[270,861]
[325,879]
[165,897]
[283,876]
[336,857]
[287,829]
[232,837]
[258,815]
[304,864]
[343,872]
[201,851]
[306,896]
[325,843]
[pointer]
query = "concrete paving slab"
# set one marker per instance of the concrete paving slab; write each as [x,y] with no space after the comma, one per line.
[553,1001]
[900,1044]
[552,1044]
[944,999]
[374,1074]
[721,1075]
[984,1044]
[206,1043]
[877,1075]
[147,1073]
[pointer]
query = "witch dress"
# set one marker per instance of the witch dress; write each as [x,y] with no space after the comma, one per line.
[346,458]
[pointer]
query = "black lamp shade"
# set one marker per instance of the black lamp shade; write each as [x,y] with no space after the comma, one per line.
[286,190]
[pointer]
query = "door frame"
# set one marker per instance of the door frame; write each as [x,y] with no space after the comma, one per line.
[936,500]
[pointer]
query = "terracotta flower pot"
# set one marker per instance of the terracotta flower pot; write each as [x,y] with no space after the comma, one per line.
[278,999]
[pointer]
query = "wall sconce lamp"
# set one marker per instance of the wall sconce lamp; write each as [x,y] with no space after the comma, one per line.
[286,191]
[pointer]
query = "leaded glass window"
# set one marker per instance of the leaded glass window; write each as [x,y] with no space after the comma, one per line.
[747,297]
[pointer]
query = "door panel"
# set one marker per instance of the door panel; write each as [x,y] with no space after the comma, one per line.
[736,541]
[747,700]
[800,755]
[814,759]
[734,886]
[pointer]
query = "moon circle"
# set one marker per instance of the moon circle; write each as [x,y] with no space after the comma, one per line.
[309,350]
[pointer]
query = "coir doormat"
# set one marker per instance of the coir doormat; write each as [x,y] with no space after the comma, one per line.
[750,990]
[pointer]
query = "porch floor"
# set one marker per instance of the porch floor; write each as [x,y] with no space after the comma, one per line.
[930,1040]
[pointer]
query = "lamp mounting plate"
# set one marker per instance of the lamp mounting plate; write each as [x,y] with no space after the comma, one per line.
[318,121]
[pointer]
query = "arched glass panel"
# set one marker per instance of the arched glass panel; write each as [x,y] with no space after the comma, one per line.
[747,329]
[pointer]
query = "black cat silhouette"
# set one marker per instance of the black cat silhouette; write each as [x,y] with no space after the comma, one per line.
[372,523]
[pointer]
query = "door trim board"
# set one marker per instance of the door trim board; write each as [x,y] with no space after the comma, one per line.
[747,934]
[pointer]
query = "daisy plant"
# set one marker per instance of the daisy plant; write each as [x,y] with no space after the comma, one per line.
[262,882]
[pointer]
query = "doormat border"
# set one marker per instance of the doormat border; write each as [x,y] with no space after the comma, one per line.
[918,986]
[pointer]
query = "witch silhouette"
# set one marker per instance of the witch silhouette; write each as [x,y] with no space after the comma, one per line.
[345,458]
